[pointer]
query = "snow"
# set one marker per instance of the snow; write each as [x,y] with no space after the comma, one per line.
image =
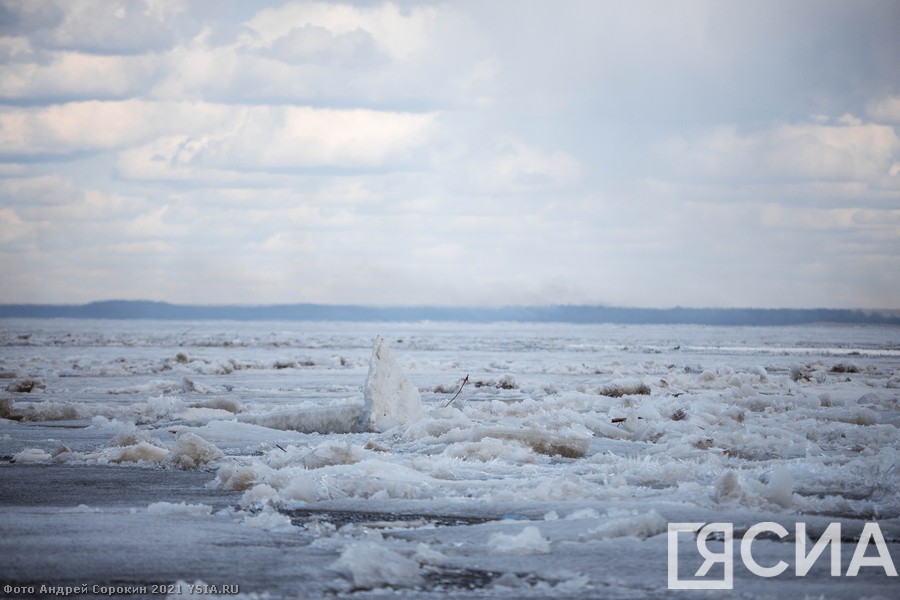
[554,473]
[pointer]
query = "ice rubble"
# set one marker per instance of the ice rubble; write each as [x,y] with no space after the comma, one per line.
[651,438]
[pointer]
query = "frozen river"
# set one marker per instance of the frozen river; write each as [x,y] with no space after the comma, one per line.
[155,458]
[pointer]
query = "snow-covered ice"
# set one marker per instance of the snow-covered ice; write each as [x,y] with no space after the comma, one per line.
[319,459]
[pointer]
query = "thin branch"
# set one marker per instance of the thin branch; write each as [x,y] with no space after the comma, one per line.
[461,386]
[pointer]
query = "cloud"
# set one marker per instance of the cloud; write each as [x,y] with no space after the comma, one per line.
[73,75]
[375,56]
[95,126]
[42,190]
[866,223]
[282,139]
[29,16]
[317,45]
[886,110]
[469,152]
[160,138]
[518,167]
[15,231]
[100,26]
[402,35]
[851,151]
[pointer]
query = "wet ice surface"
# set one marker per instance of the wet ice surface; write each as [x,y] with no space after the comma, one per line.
[141,452]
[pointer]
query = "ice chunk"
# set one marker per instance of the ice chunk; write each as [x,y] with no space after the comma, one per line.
[260,495]
[367,479]
[780,489]
[341,418]
[7,411]
[760,372]
[527,541]
[624,387]
[583,513]
[728,488]
[31,455]
[488,449]
[82,508]
[41,411]
[370,565]
[390,399]
[237,435]
[191,451]
[641,526]
[270,520]
[572,442]
[857,415]
[142,451]
[27,385]
[229,404]
[179,508]
[332,453]
[236,477]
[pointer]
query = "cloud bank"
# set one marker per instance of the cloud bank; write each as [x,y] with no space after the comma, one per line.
[467,153]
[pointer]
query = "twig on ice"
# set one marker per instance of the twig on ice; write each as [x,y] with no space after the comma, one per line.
[461,386]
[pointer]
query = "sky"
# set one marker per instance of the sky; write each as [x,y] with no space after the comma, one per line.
[483,153]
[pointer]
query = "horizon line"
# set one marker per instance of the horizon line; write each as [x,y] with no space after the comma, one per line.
[390,306]
[584,314]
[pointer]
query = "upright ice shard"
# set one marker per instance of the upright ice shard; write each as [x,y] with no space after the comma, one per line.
[390,399]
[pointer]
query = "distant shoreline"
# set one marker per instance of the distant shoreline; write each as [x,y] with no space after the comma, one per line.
[138,309]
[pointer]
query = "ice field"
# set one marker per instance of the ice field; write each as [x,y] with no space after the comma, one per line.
[306,460]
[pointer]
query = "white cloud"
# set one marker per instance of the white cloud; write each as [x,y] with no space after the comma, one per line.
[42,190]
[402,35]
[73,75]
[92,126]
[314,53]
[14,230]
[867,222]
[886,109]
[283,138]
[319,45]
[519,167]
[297,52]
[852,151]
[111,26]
[290,137]
[173,140]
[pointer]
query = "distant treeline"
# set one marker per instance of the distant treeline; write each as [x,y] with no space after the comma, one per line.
[128,309]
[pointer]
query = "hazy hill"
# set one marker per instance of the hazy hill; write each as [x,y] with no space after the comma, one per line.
[128,309]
